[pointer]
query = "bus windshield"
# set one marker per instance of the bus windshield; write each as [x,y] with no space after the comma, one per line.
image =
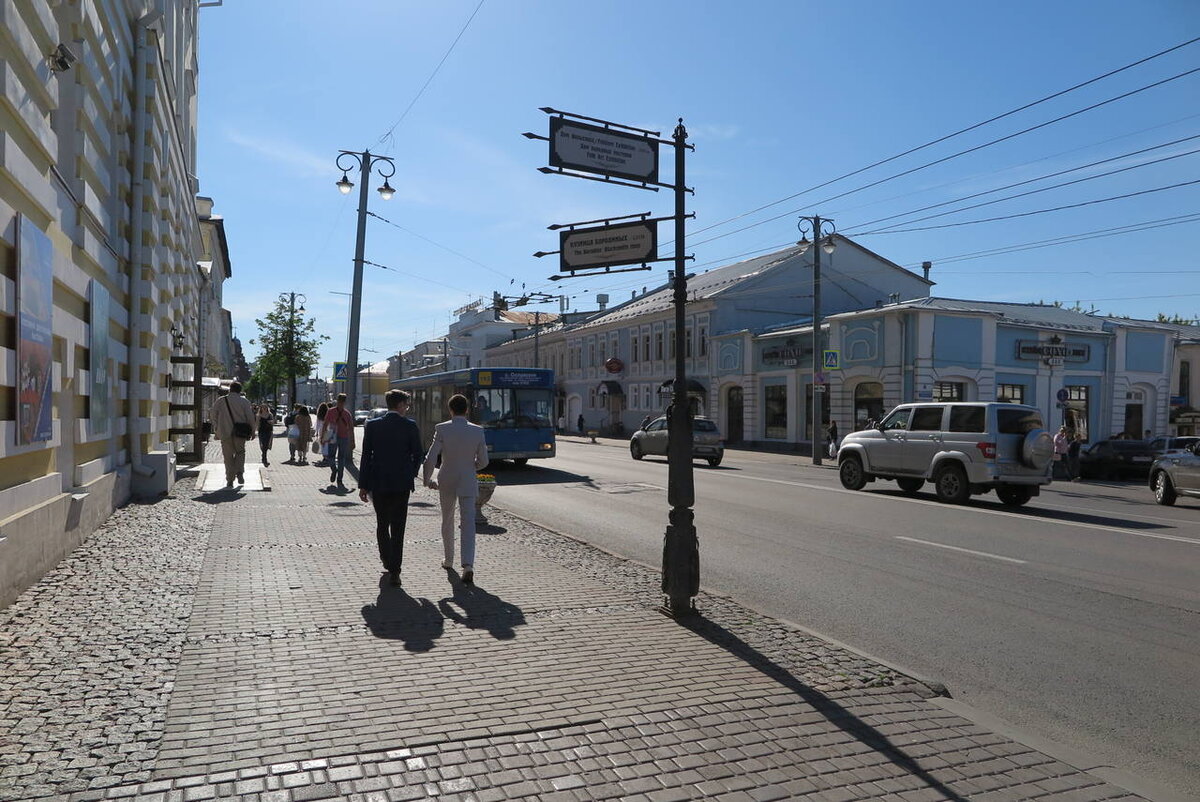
[512,408]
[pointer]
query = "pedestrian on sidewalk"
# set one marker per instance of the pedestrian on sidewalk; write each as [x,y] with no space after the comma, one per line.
[322,411]
[233,425]
[1062,440]
[266,430]
[339,428]
[302,425]
[562,424]
[387,471]
[1073,449]
[579,424]
[463,451]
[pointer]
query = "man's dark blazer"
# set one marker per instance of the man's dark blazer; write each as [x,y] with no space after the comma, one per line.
[391,455]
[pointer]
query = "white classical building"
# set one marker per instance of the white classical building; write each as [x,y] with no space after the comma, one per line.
[100,240]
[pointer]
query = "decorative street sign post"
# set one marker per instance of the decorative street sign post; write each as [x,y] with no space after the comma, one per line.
[585,147]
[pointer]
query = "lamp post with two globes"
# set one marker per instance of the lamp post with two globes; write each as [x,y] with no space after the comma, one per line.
[823,231]
[386,168]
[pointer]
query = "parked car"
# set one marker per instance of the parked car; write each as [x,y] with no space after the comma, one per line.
[1176,474]
[1116,459]
[377,412]
[361,416]
[1170,445]
[964,448]
[706,440]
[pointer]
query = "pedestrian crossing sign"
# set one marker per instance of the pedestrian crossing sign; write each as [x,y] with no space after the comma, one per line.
[339,371]
[833,360]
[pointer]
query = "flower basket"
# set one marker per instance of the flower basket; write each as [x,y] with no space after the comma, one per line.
[487,486]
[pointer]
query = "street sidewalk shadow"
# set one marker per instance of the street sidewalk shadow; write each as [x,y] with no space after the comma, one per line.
[481,610]
[396,615]
[536,475]
[489,529]
[222,495]
[831,709]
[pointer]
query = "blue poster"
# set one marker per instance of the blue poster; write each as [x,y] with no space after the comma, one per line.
[35,333]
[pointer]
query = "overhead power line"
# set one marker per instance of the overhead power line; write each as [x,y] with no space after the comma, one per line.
[959,132]
[959,153]
[429,80]
[1036,211]
[1040,178]
[443,247]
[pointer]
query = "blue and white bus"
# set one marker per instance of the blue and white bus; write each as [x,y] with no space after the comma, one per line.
[513,405]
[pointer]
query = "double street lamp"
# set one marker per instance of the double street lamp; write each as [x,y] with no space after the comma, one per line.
[822,230]
[386,168]
[290,299]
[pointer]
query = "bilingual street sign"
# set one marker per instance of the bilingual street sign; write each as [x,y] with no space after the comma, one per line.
[604,246]
[592,149]
[833,360]
[339,371]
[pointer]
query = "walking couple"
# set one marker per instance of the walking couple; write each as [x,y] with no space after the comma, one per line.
[391,459]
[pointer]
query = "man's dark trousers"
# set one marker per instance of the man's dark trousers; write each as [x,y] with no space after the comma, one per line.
[391,514]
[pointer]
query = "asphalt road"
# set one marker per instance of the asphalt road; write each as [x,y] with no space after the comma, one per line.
[1075,618]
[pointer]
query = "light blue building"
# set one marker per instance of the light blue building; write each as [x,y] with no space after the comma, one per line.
[1102,375]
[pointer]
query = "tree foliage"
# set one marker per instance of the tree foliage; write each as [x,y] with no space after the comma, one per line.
[1178,319]
[288,346]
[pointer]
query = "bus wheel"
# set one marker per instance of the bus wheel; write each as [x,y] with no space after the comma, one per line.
[521,461]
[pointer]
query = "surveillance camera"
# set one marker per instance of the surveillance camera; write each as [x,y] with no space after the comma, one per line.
[62,58]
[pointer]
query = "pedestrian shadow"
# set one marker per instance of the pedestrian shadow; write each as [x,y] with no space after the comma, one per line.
[222,495]
[831,709]
[396,615]
[481,610]
[489,529]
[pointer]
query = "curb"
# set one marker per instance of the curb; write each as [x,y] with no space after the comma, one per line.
[935,687]
[1075,758]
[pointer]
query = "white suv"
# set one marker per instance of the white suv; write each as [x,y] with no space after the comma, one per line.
[963,448]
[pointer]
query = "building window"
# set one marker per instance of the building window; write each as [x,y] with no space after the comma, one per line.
[1011,393]
[646,346]
[670,342]
[703,344]
[633,349]
[658,345]
[949,391]
[775,411]
[688,340]
[592,398]
[603,352]
[1185,382]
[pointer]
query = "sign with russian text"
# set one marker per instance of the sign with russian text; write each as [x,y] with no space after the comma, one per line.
[622,244]
[592,149]
[1037,349]
[514,378]
[35,333]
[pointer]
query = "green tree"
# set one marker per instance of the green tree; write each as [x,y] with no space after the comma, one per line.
[1179,319]
[288,347]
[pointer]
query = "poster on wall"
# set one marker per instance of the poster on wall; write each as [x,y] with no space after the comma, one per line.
[99,394]
[35,338]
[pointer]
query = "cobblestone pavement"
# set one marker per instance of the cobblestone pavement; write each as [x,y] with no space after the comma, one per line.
[244,645]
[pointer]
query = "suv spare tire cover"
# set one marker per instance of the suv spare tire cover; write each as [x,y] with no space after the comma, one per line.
[1037,449]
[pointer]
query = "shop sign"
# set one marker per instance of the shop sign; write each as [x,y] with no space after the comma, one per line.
[1068,352]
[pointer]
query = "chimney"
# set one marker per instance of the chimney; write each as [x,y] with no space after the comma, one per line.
[926,267]
[632,294]
[602,300]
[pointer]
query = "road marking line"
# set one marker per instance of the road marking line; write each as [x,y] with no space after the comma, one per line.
[965,551]
[980,510]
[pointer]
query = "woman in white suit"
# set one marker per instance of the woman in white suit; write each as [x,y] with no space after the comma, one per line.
[461,446]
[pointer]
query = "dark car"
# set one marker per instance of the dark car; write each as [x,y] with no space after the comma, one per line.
[1176,474]
[1116,459]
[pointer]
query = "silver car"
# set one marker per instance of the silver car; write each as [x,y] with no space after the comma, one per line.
[962,448]
[706,440]
[1176,474]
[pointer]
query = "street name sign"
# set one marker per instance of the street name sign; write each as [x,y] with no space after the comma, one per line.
[592,149]
[604,246]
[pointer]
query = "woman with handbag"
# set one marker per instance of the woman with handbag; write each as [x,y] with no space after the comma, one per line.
[302,425]
[322,449]
[266,430]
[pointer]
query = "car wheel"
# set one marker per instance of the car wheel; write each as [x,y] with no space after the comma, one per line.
[635,450]
[1164,491]
[852,474]
[715,461]
[1013,496]
[910,485]
[951,485]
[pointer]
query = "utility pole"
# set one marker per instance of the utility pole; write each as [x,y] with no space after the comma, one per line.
[820,228]
[523,300]
[290,298]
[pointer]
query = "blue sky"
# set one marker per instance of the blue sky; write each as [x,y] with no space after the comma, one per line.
[778,97]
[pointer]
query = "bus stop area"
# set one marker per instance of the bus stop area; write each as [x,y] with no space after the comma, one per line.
[240,644]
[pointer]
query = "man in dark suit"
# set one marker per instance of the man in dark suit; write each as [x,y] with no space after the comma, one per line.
[391,457]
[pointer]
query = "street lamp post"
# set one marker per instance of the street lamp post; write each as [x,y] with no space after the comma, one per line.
[290,298]
[386,167]
[819,228]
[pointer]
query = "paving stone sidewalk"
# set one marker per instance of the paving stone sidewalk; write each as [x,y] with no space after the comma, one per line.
[244,645]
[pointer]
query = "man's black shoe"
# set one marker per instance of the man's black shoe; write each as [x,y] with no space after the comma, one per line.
[241,479]
[394,578]
[468,576]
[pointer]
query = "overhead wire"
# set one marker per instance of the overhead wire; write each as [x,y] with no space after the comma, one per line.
[443,247]
[959,132]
